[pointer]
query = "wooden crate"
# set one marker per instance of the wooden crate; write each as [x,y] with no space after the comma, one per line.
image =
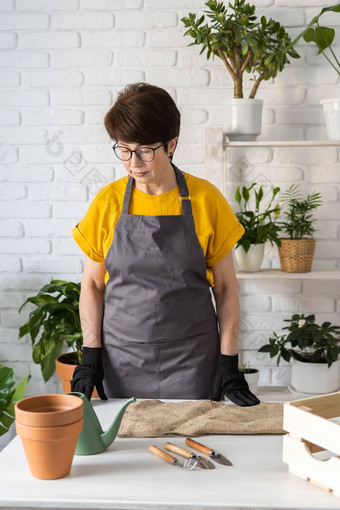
[313,435]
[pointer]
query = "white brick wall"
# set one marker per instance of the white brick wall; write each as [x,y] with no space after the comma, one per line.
[63,62]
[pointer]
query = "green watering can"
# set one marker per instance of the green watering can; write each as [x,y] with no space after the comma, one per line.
[92,439]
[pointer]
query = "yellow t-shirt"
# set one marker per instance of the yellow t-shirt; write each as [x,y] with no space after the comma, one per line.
[217,227]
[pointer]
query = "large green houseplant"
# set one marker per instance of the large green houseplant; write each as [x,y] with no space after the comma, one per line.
[297,250]
[259,222]
[54,324]
[313,350]
[9,395]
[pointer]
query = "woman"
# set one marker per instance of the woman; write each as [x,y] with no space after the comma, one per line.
[155,242]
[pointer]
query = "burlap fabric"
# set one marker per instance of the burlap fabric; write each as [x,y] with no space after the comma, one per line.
[153,418]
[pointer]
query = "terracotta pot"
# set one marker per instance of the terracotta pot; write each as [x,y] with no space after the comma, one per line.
[65,365]
[49,427]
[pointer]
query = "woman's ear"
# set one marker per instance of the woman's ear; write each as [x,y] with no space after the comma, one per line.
[172,146]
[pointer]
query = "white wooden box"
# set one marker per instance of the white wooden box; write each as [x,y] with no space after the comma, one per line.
[312,446]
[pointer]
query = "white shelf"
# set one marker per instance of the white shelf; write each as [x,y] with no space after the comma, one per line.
[330,274]
[288,143]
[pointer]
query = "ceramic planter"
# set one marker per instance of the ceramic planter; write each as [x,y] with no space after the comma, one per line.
[296,255]
[243,119]
[252,260]
[65,365]
[252,376]
[314,377]
[49,427]
[331,110]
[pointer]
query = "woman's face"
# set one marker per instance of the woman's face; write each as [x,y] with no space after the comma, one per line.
[155,172]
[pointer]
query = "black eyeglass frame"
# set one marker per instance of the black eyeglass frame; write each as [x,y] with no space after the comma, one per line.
[116,146]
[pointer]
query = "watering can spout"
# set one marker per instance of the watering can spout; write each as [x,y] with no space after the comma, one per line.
[110,435]
[92,439]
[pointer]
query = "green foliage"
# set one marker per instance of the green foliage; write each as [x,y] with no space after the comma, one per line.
[56,319]
[260,226]
[8,396]
[322,37]
[241,41]
[299,217]
[306,341]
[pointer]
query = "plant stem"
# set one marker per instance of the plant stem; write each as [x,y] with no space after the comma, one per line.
[257,83]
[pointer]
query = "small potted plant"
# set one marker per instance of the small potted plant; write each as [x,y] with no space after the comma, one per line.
[323,38]
[313,351]
[251,375]
[56,319]
[260,226]
[244,44]
[297,251]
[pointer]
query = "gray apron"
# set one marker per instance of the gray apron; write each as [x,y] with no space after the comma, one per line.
[159,331]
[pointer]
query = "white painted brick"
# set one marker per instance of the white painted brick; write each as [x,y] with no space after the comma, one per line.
[302,304]
[12,319]
[32,282]
[315,288]
[147,58]
[46,5]
[286,17]
[178,77]
[255,304]
[10,265]
[265,322]
[253,339]
[9,117]
[326,174]
[72,192]
[50,39]
[175,4]
[13,299]
[24,98]
[326,229]
[65,246]
[26,173]
[19,352]
[83,135]
[307,75]
[81,97]
[75,213]
[8,41]
[115,77]
[31,210]
[7,5]
[47,116]
[193,116]
[313,58]
[113,39]
[173,37]
[323,264]
[190,154]
[30,154]
[49,264]
[328,193]
[190,57]
[328,249]
[281,133]
[299,116]
[52,79]
[23,21]
[145,20]
[25,245]
[24,59]
[22,136]
[11,229]
[276,174]
[48,228]
[282,95]
[338,305]
[21,369]
[9,79]
[281,376]
[108,5]
[288,287]
[107,173]
[81,20]
[328,211]
[305,155]
[94,115]
[299,3]
[13,192]
[8,155]
[80,58]
[316,133]
[315,94]
[9,334]
[41,388]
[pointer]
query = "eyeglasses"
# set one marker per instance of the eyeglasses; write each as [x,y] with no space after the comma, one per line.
[146,154]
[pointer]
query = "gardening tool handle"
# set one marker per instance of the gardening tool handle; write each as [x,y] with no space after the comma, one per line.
[198,446]
[177,449]
[162,455]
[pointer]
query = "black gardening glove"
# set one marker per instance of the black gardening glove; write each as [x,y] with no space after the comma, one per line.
[89,373]
[231,382]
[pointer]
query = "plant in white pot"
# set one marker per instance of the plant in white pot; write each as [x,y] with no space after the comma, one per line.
[260,224]
[297,251]
[323,38]
[244,44]
[251,375]
[313,351]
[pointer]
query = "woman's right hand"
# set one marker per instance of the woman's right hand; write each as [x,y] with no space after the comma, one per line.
[89,373]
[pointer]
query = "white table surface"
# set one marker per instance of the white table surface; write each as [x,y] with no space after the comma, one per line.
[126,476]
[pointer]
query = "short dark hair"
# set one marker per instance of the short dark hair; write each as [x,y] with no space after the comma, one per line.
[143,114]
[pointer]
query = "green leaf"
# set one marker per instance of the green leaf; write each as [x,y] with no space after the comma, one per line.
[238,195]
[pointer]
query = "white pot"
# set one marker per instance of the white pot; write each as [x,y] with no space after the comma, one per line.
[253,381]
[331,109]
[243,119]
[315,377]
[252,260]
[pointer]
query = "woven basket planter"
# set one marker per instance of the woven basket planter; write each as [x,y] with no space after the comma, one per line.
[296,255]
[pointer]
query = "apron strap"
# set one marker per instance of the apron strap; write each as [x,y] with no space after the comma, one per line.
[183,192]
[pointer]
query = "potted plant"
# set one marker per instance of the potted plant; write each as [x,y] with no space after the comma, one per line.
[56,319]
[260,226]
[9,394]
[244,44]
[296,252]
[323,38]
[313,351]
[251,375]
